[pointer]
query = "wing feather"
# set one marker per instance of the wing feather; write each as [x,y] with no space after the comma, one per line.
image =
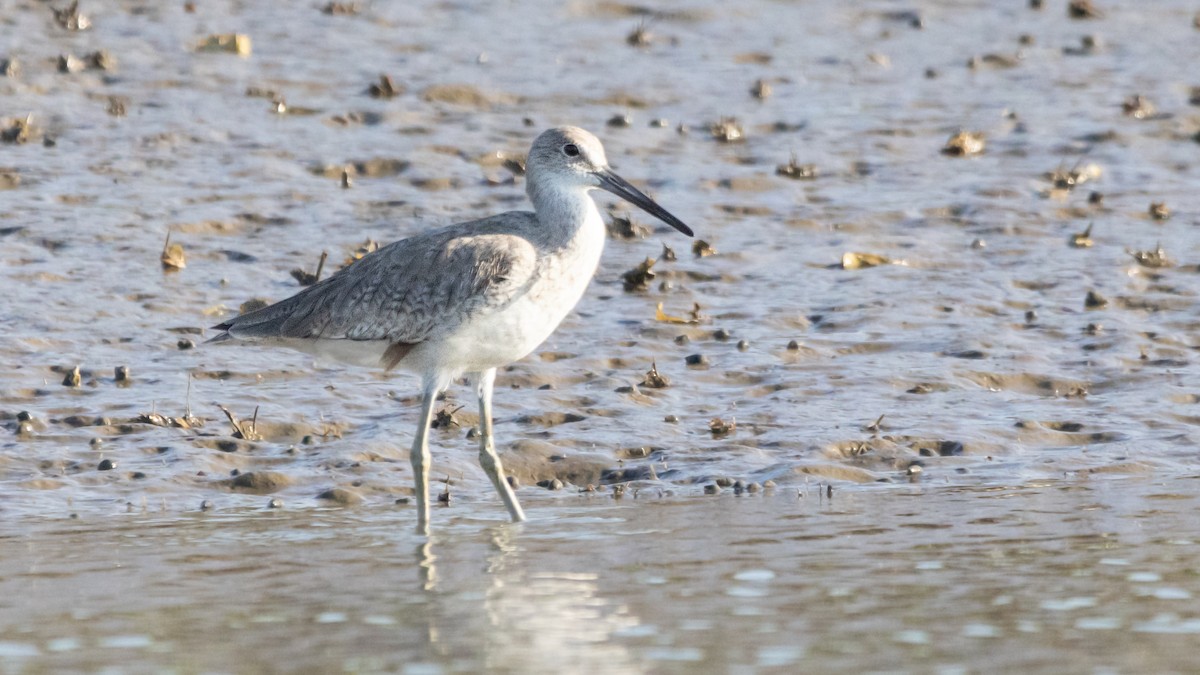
[407,292]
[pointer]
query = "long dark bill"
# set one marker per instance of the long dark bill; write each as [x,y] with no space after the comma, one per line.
[621,188]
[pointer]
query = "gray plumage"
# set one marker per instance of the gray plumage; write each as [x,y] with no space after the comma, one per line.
[468,298]
[410,291]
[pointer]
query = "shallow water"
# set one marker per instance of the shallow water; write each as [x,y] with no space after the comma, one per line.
[1022,425]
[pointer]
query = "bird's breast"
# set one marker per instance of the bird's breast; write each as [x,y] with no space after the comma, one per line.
[496,338]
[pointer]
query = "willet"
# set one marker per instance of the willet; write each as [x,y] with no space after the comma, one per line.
[465,299]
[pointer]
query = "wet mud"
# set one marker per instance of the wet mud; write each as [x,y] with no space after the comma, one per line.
[944,253]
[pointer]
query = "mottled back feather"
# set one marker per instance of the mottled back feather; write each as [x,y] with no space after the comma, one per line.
[409,291]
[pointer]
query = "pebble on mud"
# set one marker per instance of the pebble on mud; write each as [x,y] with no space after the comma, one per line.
[696,360]
[619,121]
[18,130]
[743,345]
[206,505]
[1094,300]
[305,278]
[69,63]
[342,8]
[1083,9]
[551,484]
[641,36]
[638,278]
[655,379]
[73,378]
[229,43]
[101,60]
[712,489]
[172,257]
[444,418]
[1159,211]
[623,226]
[761,89]
[964,143]
[385,88]
[852,260]
[720,428]
[117,106]
[797,171]
[1138,107]
[727,130]
[340,496]
[275,503]
[703,249]
[1153,259]
[106,465]
[1083,239]
[70,17]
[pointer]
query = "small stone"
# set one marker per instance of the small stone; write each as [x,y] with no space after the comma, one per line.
[753,487]
[513,482]
[793,346]
[24,416]
[696,360]
[671,419]
[73,378]
[1096,198]
[743,345]
[106,465]
[275,503]
[1159,211]
[1094,300]
[620,120]
[768,485]
[137,475]
[121,374]
[185,343]
[711,489]
[402,500]
[206,505]
[703,249]
[96,442]
[722,335]
[340,496]
[682,339]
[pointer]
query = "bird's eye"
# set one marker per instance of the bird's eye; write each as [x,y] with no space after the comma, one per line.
[571,150]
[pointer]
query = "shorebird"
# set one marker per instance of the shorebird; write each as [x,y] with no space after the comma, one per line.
[465,299]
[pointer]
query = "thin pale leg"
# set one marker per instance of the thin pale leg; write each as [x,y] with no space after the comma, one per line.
[488,458]
[421,459]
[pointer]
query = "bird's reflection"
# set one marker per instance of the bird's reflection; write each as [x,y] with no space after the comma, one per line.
[425,560]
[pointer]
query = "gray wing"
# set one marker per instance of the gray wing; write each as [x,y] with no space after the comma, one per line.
[407,291]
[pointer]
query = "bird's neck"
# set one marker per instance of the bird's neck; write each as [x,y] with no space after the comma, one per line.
[565,216]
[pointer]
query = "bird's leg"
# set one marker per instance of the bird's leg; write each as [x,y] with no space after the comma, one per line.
[420,459]
[488,458]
